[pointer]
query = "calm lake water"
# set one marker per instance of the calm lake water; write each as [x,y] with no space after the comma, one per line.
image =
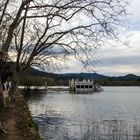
[113,114]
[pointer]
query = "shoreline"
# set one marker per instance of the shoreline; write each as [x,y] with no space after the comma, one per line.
[17,122]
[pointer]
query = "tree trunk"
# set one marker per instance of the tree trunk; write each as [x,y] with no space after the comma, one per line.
[1,94]
[14,86]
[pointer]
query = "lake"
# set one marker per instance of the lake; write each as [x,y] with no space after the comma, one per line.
[113,114]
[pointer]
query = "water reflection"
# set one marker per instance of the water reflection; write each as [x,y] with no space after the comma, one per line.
[111,115]
[34,95]
[113,130]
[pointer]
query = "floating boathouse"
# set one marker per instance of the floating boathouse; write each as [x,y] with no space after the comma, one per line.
[84,86]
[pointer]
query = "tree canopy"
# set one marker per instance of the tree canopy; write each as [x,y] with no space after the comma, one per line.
[42,32]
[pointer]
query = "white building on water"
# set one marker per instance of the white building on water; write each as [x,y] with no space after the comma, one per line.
[84,86]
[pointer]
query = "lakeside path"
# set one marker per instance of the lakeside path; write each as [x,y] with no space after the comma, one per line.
[17,121]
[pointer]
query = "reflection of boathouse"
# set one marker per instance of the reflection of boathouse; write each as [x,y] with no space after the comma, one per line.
[84,86]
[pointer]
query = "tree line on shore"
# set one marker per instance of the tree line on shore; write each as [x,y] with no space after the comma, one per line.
[63,80]
[40,81]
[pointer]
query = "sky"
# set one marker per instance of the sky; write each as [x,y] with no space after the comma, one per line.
[120,60]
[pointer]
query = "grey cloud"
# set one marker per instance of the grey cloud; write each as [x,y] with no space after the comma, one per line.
[121,60]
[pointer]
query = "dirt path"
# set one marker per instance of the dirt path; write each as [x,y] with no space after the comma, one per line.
[17,122]
[9,123]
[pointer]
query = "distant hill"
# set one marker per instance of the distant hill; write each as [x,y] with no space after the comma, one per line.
[36,76]
[129,77]
[125,78]
[68,76]
[35,72]
[89,76]
[10,66]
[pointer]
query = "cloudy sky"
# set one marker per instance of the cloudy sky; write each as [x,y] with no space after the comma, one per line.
[120,60]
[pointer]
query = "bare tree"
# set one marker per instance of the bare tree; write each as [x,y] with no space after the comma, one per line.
[9,21]
[41,32]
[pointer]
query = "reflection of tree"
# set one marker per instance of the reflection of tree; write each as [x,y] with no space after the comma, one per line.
[113,130]
[32,95]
